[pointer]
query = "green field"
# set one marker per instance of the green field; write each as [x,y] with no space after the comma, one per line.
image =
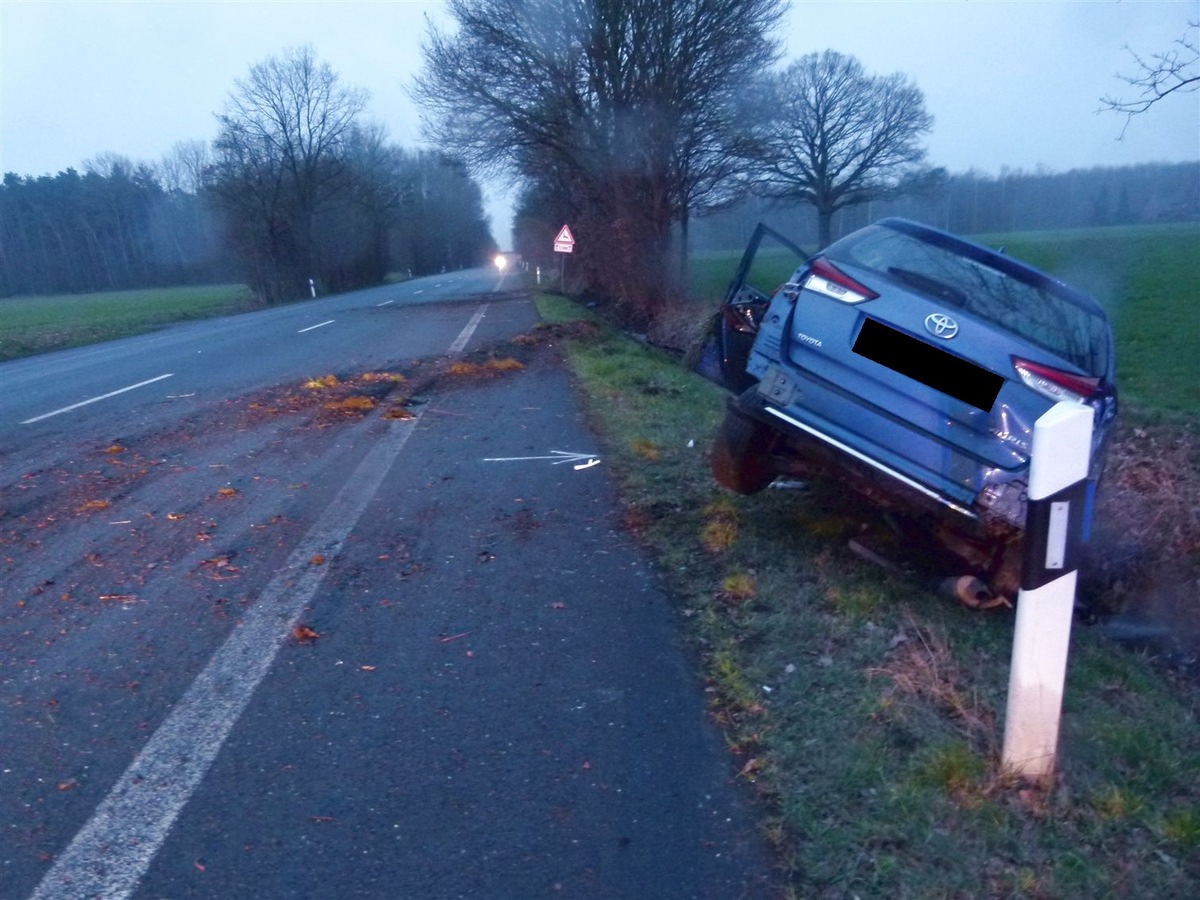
[30,325]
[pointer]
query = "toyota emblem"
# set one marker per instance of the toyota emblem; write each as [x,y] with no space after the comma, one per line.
[941,325]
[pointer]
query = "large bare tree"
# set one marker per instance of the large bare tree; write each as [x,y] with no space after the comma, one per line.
[833,136]
[624,105]
[279,156]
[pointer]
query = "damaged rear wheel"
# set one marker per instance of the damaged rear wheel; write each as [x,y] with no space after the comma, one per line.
[741,459]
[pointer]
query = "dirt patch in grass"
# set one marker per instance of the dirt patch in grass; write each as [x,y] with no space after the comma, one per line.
[1142,569]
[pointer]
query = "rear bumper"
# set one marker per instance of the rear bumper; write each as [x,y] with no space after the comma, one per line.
[903,481]
[986,502]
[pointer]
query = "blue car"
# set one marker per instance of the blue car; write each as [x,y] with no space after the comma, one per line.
[911,365]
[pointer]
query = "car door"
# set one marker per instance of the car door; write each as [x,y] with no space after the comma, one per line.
[766,265]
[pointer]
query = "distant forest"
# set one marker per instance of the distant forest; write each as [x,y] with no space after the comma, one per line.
[976,203]
[119,225]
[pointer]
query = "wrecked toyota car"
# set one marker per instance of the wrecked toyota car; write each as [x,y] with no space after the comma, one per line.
[911,365]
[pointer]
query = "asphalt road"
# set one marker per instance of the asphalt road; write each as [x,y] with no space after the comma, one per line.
[250,647]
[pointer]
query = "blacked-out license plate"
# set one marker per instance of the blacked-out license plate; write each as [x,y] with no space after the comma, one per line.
[929,365]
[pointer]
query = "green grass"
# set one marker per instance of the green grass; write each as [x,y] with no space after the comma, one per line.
[30,325]
[867,712]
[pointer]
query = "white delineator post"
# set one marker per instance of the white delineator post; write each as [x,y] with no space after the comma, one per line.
[1055,521]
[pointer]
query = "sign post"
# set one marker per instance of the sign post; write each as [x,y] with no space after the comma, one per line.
[1056,520]
[564,243]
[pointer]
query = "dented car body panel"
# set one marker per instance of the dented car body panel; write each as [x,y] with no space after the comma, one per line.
[912,365]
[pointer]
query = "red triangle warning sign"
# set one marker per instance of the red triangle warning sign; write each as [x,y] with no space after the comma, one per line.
[565,236]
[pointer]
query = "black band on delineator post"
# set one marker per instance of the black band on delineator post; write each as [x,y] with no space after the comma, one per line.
[1054,528]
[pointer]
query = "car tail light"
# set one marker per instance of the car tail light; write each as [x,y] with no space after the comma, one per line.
[1055,383]
[827,279]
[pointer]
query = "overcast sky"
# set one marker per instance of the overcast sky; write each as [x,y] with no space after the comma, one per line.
[1013,84]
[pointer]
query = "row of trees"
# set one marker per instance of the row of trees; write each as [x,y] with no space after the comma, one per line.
[117,225]
[629,117]
[621,116]
[296,186]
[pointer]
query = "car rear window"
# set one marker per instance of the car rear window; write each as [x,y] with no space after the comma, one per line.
[1002,291]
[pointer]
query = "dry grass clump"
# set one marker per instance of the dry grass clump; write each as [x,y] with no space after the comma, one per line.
[922,666]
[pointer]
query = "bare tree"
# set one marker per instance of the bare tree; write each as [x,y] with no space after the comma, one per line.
[1174,71]
[184,168]
[622,105]
[279,156]
[833,136]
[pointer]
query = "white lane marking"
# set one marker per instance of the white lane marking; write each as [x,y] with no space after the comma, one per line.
[111,854]
[421,291]
[385,302]
[311,327]
[461,341]
[95,399]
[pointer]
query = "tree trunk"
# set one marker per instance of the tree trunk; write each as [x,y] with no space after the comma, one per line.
[824,227]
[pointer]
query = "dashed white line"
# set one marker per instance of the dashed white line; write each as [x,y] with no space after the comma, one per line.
[319,325]
[96,399]
[461,341]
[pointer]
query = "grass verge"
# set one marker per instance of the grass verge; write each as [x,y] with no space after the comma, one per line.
[866,711]
[30,325]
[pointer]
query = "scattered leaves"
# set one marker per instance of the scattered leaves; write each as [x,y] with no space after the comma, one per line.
[645,449]
[226,492]
[488,368]
[325,381]
[94,506]
[738,587]
[305,634]
[507,364]
[356,403]
[721,528]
